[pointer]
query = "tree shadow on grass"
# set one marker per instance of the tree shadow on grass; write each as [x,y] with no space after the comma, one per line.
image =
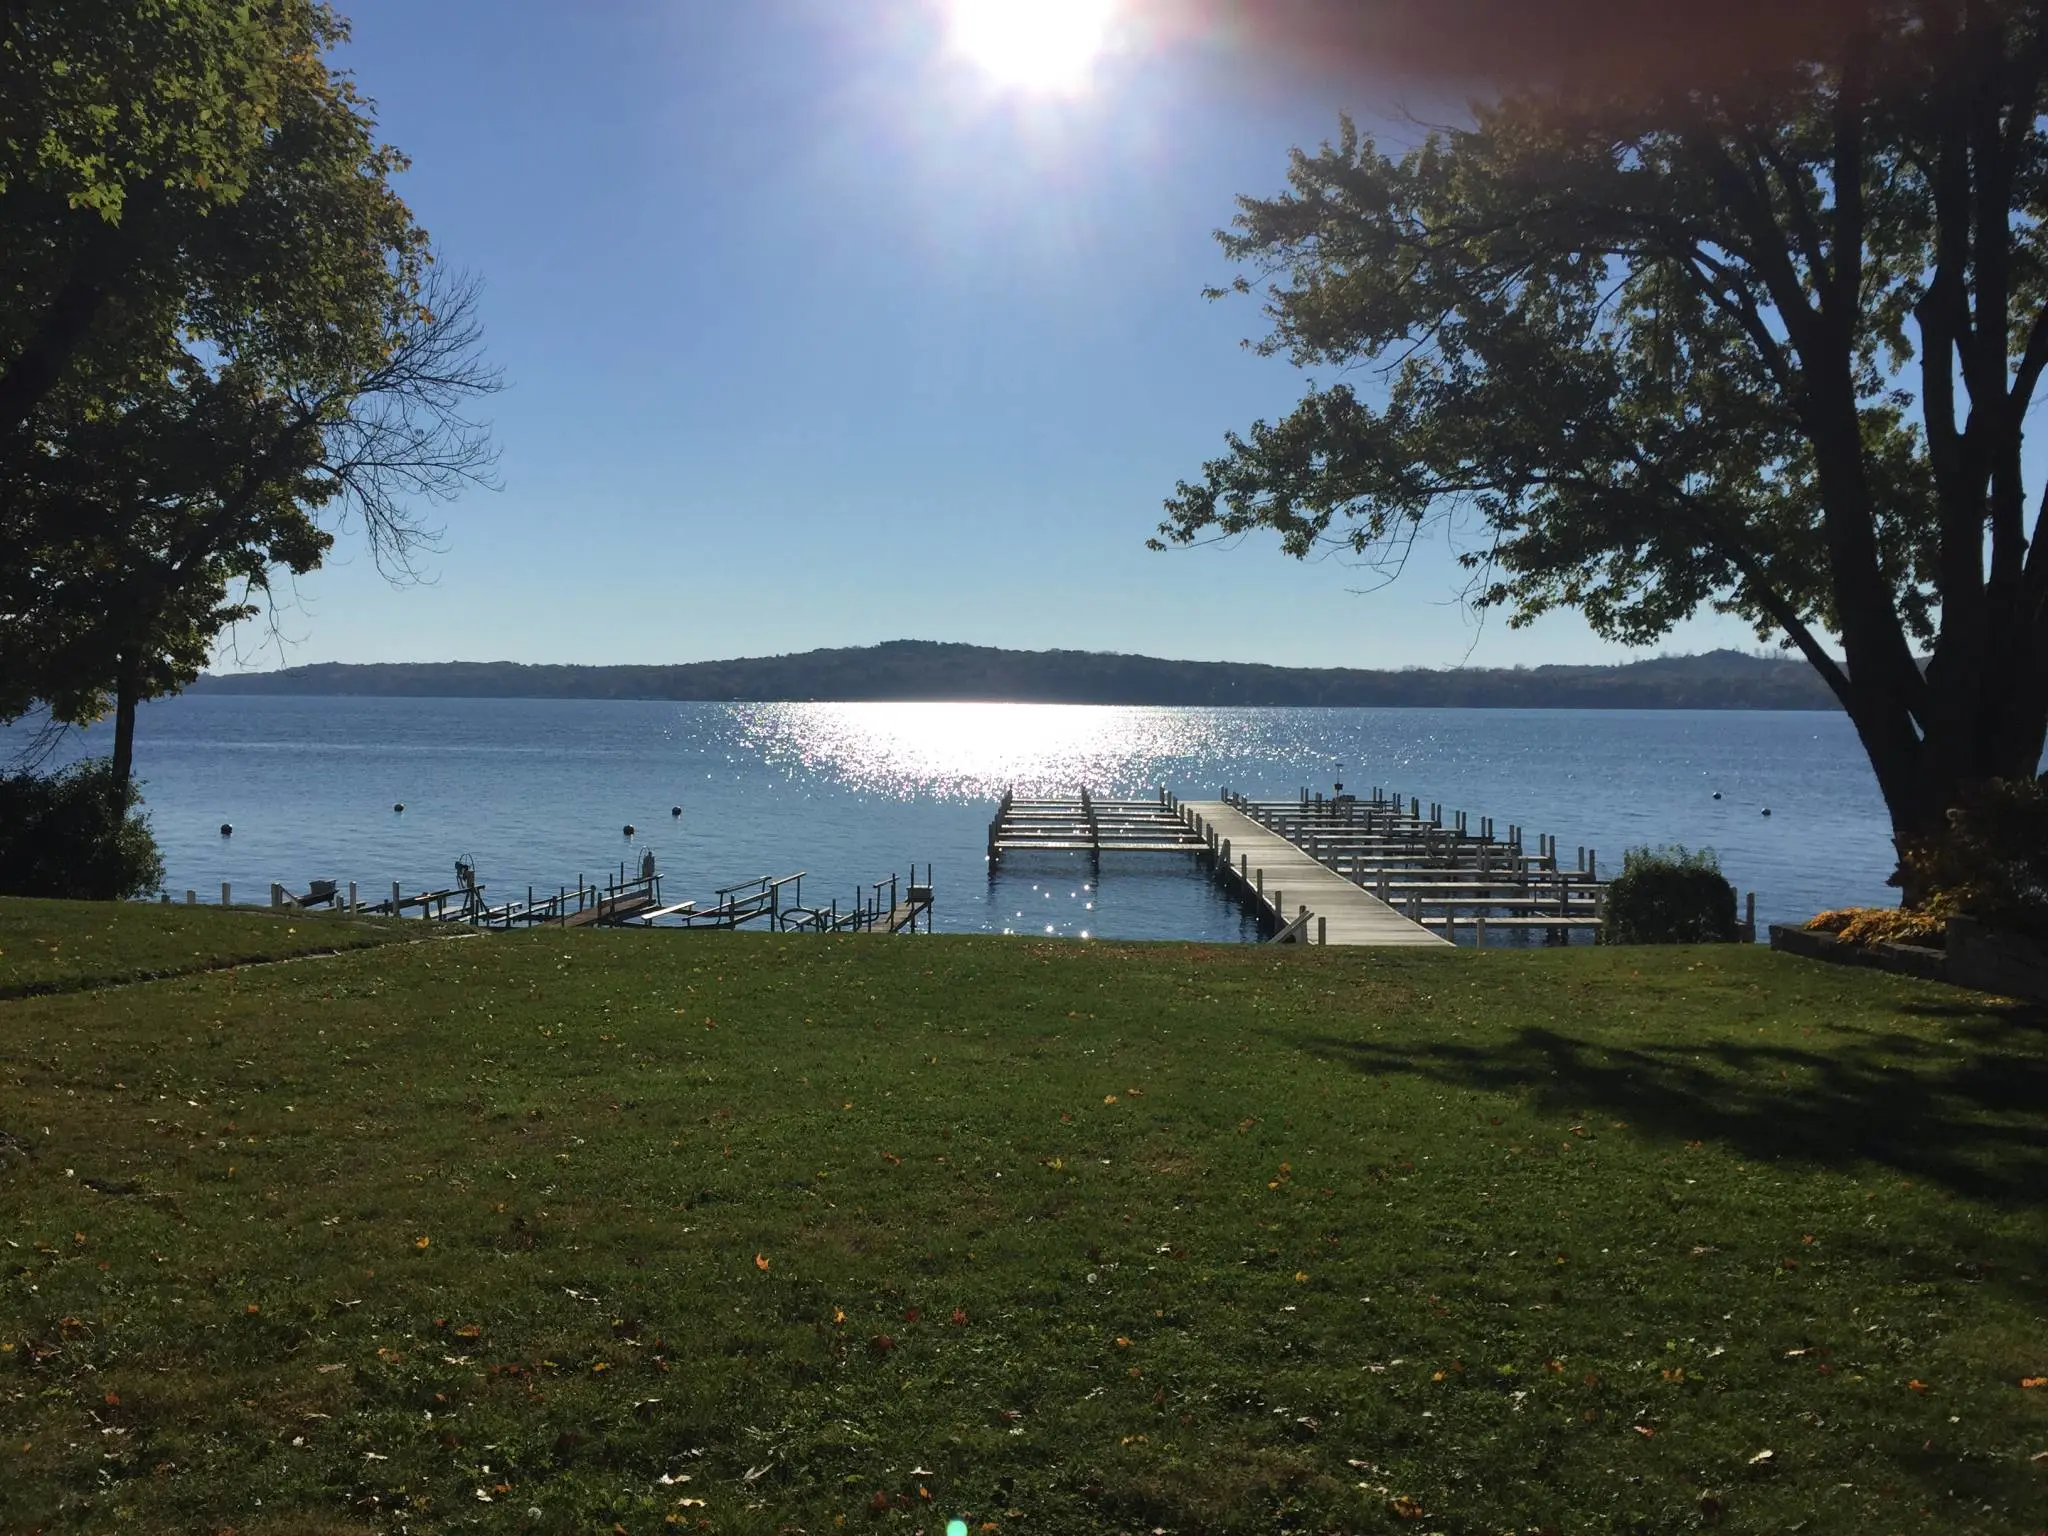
[1968,1113]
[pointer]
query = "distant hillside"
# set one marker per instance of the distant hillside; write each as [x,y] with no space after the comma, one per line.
[923,669]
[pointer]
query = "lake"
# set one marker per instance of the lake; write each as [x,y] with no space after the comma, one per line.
[535,792]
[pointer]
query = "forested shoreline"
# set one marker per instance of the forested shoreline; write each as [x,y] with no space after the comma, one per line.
[912,670]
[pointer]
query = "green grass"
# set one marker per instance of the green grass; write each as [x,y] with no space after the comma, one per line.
[56,946]
[1054,1237]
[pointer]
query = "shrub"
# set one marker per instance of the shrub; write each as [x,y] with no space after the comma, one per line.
[1882,925]
[77,834]
[1990,862]
[1669,896]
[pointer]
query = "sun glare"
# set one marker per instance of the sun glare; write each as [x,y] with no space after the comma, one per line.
[1032,45]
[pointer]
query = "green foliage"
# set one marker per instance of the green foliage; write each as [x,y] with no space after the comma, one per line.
[1669,896]
[1372,1228]
[1990,861]
[75,833]
[220,335]
[1764,349]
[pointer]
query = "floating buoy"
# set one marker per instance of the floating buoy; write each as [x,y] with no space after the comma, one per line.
[227,829]
[1767,810]
[1717,794]
[628,829]
[675,810]
[400,806]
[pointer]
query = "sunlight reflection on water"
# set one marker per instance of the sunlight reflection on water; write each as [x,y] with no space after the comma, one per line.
[977,751]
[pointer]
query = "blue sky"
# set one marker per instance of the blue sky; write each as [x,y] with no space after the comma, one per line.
[818,334]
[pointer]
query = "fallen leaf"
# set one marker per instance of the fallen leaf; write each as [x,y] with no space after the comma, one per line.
[1405,1508]
[959,1317]
[1645,1431]
[2034,1381]
[425,1242]
[1917,1385]
[761,1262]
[1761,1457]
[470,1331]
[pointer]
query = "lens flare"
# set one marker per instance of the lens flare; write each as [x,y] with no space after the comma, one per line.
[1046,46]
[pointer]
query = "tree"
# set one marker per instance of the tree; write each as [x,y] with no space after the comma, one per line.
[126,132]
[270,343]
[1765,348]
[173,513]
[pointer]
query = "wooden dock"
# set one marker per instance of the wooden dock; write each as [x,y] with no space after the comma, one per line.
[1434,872]
[1087,825]
[1286,883]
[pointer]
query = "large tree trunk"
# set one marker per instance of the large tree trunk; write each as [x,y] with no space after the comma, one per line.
[1922,777]
[127,695]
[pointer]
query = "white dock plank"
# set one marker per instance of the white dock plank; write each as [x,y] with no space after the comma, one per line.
[1351,914]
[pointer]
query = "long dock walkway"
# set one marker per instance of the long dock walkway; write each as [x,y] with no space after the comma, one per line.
[1285,879]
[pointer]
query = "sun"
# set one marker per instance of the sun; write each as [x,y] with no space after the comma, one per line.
[1032,45]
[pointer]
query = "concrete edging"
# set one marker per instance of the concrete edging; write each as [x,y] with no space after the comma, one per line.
[1915,960]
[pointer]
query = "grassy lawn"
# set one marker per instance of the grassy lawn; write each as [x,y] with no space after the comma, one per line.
[645,1231]
[56,946]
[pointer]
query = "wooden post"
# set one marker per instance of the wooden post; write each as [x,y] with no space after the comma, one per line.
[191,898]
[226,899]
[1262,882]
[1479,931]
[1749,917]
[352,903]
[1593,863]
[1322,930]
[276,894]
[394,898]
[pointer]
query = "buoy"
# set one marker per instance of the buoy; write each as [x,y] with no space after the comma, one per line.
[628,830]
[399,806]
[675,810]
[1767,810]
[227,829]
[1717,794]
